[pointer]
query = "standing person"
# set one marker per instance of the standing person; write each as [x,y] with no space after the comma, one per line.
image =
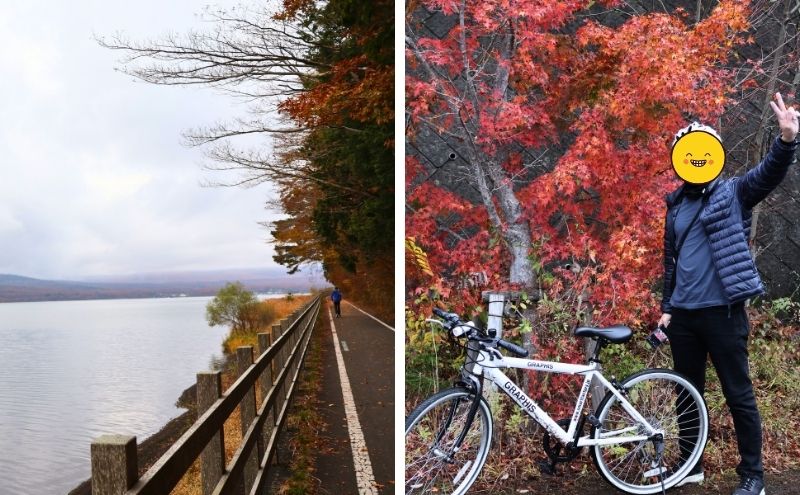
[336,297]
[709,273]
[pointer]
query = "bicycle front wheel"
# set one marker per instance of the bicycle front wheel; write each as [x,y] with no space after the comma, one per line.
[434,464]
[670,403]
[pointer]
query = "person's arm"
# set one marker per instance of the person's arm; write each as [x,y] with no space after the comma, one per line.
[757,183]
[669,269]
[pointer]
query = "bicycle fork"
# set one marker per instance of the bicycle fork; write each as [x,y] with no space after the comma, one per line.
[474,386]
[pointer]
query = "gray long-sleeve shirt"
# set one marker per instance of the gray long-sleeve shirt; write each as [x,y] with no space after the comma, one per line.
[697,284]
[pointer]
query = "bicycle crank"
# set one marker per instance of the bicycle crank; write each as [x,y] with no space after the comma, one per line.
[558,452]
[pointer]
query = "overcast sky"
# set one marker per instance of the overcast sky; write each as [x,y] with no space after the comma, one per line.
[94,179]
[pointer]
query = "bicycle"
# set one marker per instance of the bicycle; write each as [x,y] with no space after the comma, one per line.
[646,434]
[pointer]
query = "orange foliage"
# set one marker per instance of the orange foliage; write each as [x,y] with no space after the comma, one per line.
[342,217]
[356,88]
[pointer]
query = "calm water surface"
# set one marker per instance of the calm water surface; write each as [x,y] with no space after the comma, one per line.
[71,371]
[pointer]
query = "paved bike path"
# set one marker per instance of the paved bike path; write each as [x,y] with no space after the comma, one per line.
[366,350]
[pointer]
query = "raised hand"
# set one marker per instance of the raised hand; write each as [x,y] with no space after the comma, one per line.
[787,118]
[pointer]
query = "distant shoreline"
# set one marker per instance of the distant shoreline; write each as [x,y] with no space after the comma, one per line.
[16,288]
[258,294]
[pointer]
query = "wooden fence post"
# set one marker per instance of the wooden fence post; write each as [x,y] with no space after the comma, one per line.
[114,457]
[247,411]
[212,460]
[114,464]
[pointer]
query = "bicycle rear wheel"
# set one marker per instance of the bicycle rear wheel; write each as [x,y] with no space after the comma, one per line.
[433,465]
[669,402]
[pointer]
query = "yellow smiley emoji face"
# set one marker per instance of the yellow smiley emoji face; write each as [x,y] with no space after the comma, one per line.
[698,157]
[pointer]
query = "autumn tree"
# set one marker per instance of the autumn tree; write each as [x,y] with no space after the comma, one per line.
[319,79]
[559,126]
[350,116]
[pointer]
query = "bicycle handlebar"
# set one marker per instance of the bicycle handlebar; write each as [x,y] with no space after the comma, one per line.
[512,348]
[450,317]
[454,321]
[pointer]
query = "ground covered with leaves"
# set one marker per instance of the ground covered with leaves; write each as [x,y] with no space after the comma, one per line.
[513,464]
[587,482]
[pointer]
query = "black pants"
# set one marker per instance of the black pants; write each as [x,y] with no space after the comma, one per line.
[337,308]
[721,332]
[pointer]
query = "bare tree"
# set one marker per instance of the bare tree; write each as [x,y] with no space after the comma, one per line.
[249,54]
[784,16]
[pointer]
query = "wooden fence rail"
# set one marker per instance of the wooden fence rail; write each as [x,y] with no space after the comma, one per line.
[281,352]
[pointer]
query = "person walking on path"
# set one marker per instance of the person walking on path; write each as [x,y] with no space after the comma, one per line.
[709,273]
[336,297]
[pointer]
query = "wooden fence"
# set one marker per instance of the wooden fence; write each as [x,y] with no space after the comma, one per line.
[281,354]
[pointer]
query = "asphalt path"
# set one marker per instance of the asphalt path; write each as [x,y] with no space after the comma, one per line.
[357,399]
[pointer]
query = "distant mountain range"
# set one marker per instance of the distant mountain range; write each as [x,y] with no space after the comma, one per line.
[16,288]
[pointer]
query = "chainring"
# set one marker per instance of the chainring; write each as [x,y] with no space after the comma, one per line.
[555,450]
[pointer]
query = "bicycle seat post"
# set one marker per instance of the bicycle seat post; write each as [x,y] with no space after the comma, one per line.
[599,344]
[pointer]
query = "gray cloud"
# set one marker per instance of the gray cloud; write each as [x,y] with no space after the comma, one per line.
[94,179]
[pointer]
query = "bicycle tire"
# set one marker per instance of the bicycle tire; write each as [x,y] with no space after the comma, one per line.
[658,395]
[430,430]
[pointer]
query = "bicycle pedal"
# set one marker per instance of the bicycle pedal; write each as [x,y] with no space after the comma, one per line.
[592,419]
[547,467]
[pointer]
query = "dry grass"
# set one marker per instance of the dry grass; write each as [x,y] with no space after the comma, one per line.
[191,483]
[281,308]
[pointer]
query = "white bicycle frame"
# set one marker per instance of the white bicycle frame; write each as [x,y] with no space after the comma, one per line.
[489,364]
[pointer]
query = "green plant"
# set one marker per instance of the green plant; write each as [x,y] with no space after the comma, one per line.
[233,305]
[429,358]
[784,309]
[624,360]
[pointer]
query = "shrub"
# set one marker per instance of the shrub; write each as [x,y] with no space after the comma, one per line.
[233,305]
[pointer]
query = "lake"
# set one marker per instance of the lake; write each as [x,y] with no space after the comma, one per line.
[71,371]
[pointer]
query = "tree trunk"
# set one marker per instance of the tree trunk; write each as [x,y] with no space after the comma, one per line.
[766,113]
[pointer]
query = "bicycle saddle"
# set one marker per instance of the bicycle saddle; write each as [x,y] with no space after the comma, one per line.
[616,333]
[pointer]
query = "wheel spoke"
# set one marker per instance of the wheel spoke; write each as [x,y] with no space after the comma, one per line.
[433,463]
[670,405]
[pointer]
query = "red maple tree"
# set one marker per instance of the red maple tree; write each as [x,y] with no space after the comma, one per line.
[517,78]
